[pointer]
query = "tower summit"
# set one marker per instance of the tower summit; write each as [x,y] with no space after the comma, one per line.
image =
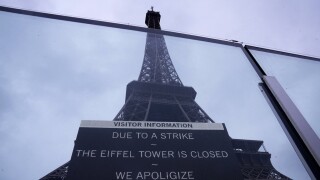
[153,19]
[159,96]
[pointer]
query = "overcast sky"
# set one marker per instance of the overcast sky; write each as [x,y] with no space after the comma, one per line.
[288,25]
[54,74]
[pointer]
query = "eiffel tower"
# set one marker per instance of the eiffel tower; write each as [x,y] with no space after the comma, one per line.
[159,95]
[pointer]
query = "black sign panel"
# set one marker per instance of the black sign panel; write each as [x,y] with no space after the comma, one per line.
[115,150]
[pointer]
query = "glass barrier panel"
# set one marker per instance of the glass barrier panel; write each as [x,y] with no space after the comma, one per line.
[301,80]
[227,89]
[55,73]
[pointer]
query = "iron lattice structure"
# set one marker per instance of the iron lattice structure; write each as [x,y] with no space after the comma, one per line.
[58,174]
[157,66]
[159,95]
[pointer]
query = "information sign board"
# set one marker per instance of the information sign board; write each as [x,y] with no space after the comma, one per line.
[139,150]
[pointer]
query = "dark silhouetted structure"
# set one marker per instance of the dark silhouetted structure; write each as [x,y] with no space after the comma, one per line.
[159,95]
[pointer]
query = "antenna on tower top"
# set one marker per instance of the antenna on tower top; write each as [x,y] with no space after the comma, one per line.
[151,8]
